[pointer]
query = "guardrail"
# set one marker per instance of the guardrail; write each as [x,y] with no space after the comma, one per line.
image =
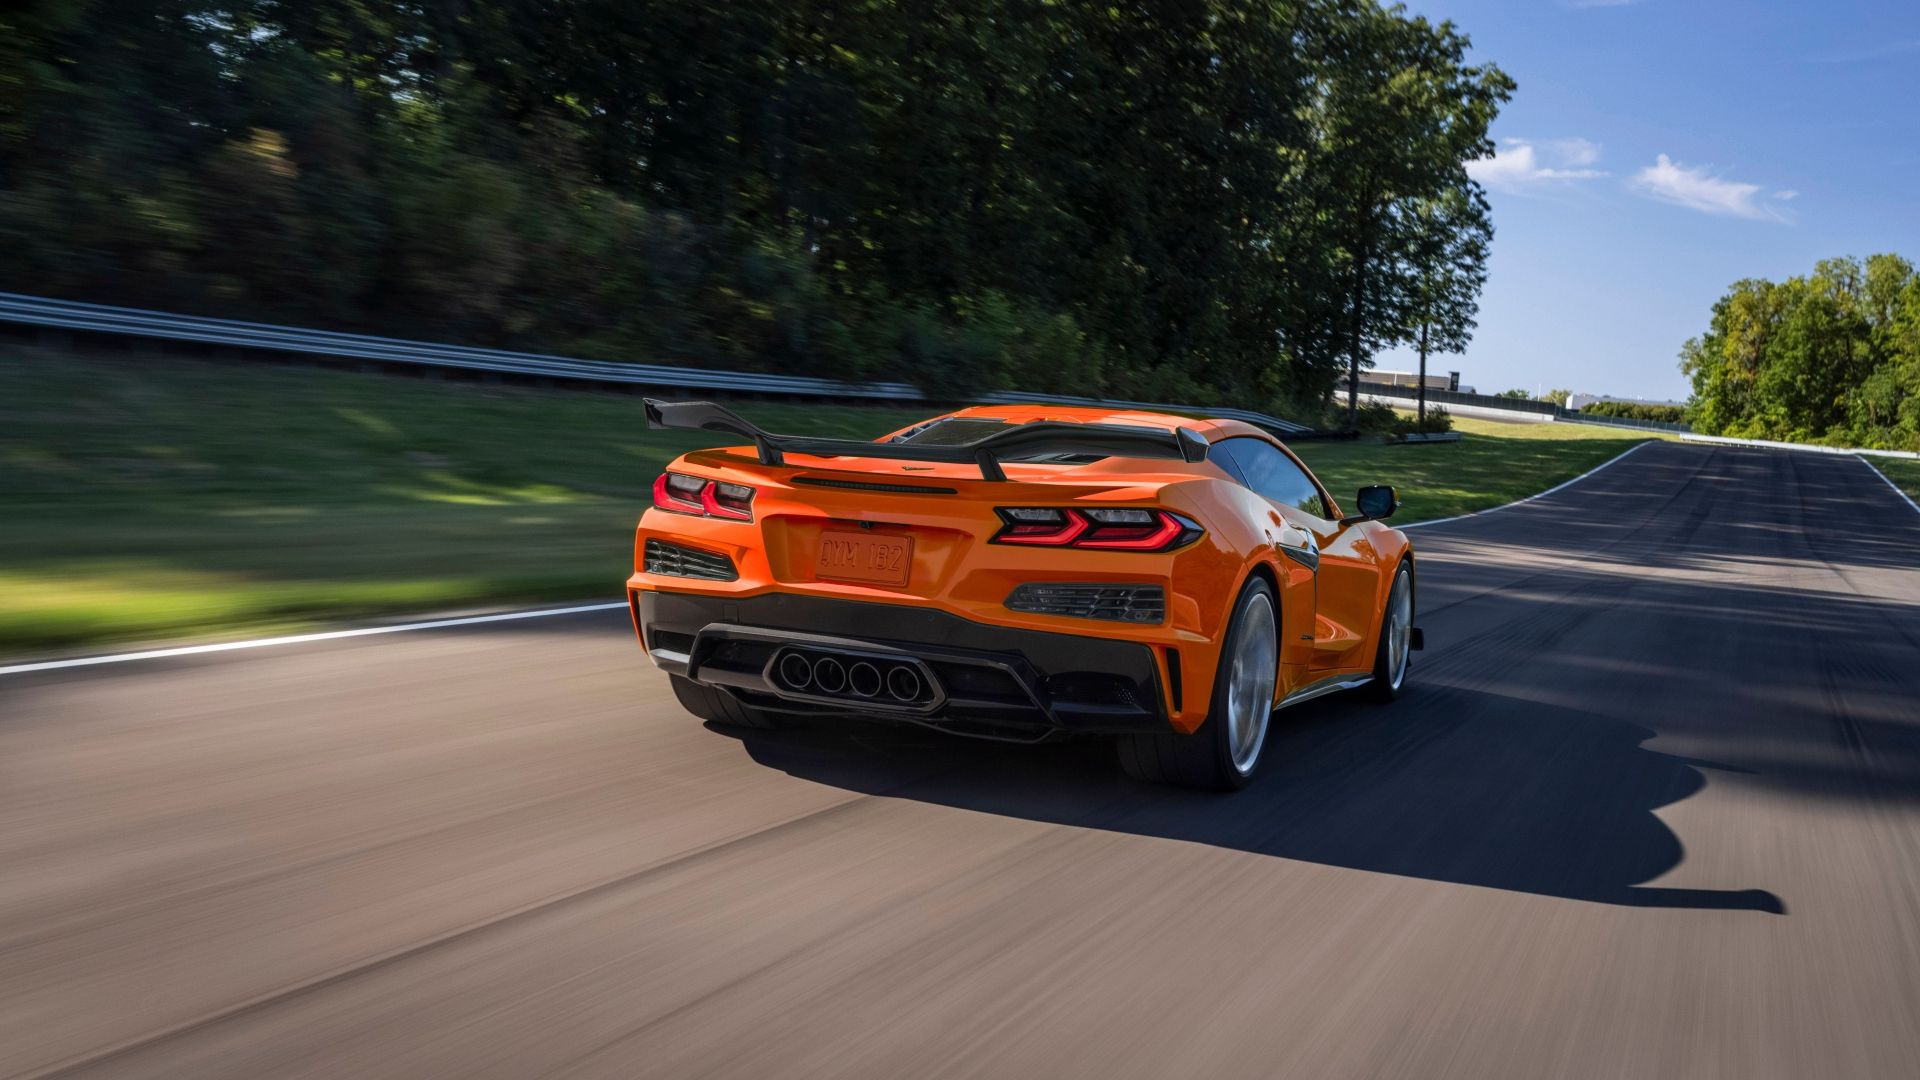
[1458,397]
[1811,448]
[1457,409]
[1544,410]
[1575,416]
[40,311]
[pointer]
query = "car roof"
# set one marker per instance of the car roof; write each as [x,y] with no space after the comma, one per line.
[1212,430]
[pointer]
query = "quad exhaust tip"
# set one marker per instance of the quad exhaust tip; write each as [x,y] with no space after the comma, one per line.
[795,671]
[903,683]
[849,677]
[829,675]
[864,679]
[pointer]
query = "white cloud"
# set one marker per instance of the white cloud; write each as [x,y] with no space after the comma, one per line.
[1522,163]
[1577,151]
[1697,189]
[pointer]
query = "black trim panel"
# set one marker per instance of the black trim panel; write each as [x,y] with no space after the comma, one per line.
[994,677]
[866,485]
[1305,556]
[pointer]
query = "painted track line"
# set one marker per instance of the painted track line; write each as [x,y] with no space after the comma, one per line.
[1536,495]
[301,639]
[1889,482]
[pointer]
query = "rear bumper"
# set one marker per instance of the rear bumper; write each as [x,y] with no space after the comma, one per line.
[990,681]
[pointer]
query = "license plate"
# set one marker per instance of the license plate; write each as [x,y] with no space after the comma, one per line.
[864,558]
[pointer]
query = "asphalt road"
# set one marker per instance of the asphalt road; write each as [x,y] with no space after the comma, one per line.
[1651,809]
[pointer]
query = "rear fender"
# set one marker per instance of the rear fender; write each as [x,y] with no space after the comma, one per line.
[1392,548]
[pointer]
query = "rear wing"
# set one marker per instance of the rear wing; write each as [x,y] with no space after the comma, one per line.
[1051,436]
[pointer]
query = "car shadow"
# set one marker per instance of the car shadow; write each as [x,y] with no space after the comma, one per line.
[1451,785]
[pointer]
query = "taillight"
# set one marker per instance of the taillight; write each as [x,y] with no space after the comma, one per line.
[1108,529]
[732,501]
[683,494]
[1040,525]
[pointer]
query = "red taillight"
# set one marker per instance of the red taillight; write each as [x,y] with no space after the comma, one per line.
[1107,529]
[731,501]
[1040,526]
[683,494]
[671,492]
[1153,535]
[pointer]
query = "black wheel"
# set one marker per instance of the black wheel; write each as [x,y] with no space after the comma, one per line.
[1395,654]
[1225,753]
[721,707]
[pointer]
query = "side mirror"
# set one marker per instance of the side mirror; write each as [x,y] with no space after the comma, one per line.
[1376,502]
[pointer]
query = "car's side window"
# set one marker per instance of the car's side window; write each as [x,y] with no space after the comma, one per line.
[1222,454]
[1272,474]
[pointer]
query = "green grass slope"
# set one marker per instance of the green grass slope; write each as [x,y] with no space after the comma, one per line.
[144,498]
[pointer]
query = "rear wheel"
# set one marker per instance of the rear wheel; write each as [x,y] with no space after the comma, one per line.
[1395,654]
[716,705]
[1224,754]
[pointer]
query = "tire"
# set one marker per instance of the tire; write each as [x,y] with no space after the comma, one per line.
[1222,755]
[721,707]
[1393,659]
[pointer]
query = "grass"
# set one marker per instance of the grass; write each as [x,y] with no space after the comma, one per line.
[144,498]
[158,497]
[1494,462]
[1901,471]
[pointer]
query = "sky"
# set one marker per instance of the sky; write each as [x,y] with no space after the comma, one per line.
[1657,151]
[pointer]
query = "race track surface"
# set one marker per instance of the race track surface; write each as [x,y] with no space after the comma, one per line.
[1651,809]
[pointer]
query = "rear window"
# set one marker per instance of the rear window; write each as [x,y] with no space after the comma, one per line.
[960,430]
[952,432]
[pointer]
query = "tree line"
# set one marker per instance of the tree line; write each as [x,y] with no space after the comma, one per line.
[1204,200]
[1636,410]
[1832,357]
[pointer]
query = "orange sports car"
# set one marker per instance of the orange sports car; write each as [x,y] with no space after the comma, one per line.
[1022,572]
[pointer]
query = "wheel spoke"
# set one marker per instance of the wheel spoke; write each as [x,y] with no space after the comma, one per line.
[1251,680]
[1398,630]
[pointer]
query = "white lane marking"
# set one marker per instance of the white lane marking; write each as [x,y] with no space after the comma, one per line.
[1530,498]
[1890,483]
[1769,444]
[300,639]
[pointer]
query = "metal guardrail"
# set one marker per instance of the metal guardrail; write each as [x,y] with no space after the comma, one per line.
[73,315]
[1527,406]
[1457,397]
[1811,448]
[1575,416]
[1457,409]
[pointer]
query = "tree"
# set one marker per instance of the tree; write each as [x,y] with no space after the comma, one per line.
[1449,239]
[1197,201]
[1831,357]
[1399,115]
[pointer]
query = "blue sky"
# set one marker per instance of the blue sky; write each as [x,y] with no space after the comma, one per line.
[1659,150]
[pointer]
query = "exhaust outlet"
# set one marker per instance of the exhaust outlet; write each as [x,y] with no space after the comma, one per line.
[795,671]
[864,679]
[829,675]
[903,683]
